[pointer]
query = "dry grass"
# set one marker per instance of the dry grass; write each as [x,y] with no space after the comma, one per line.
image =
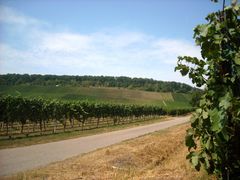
[160,155]
[123,95]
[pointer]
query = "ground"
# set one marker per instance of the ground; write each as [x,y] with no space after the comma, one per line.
[160,155]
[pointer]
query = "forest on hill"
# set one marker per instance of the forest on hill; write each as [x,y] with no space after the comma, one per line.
[96,81]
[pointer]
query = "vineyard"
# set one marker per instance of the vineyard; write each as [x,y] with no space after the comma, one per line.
[167,100]
[36,116]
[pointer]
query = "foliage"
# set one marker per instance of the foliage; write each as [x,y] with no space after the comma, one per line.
[102,94]
[196,96]
[39,111]
[216,123]
[95,81]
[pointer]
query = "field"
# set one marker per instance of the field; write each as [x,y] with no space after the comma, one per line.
[160,155]
[93,94]
[26,120]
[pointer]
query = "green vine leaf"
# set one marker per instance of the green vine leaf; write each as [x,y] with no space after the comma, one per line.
[205,115]
[215,118]
[225,101]
[209,143]
[189,139]
[215,123]
[237,58]
[195,161]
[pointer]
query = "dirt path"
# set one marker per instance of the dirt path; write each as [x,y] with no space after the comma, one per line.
[23,158]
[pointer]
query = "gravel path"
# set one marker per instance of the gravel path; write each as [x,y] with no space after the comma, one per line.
[14,160]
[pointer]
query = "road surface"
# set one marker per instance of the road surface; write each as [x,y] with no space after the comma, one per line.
[19,159]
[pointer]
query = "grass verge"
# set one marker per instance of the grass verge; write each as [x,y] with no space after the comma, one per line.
[160,155]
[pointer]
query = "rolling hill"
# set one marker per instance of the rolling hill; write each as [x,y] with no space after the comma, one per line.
[168,100]
[117,90]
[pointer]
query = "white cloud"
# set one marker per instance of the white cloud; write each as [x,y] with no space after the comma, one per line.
[169,49]
[67,42]
[128,53]
[10,16]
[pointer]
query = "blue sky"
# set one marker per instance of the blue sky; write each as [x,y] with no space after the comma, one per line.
[136,38]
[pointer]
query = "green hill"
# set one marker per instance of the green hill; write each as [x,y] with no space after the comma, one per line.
[168,100]
[123,90]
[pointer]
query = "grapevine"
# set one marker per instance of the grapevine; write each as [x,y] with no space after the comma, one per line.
[214,137]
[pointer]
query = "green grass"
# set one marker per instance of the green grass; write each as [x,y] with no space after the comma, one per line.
[181,97]
[181,101]
[93,94]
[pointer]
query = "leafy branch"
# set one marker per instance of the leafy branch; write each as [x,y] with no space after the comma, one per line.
[214,137]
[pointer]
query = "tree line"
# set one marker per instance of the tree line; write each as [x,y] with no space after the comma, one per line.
[40,111]
[96,81]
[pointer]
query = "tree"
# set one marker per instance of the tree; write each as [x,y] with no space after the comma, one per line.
[215,125]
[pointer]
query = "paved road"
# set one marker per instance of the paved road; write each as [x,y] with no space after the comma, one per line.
[14,160]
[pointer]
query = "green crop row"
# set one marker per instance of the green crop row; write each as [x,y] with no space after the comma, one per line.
[39,111]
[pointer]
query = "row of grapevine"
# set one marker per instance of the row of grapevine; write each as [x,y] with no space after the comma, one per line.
[41,112]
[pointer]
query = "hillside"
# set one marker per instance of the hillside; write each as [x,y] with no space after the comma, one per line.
[168,100]
[96,81]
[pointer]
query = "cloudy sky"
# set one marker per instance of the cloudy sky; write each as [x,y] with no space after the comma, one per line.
[136,38]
